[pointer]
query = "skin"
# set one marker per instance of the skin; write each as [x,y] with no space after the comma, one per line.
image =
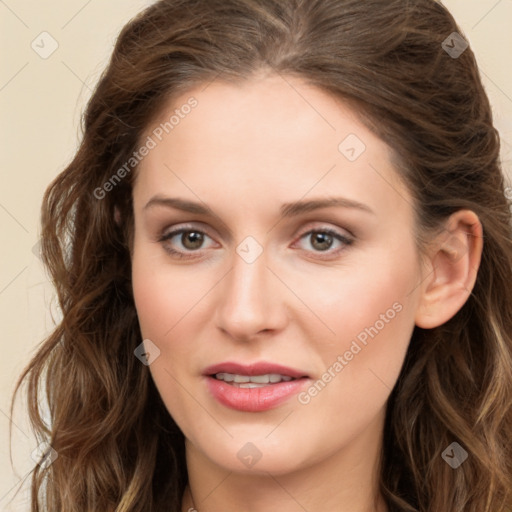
[244,151]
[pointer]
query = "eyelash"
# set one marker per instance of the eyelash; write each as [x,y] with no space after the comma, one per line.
[190,254]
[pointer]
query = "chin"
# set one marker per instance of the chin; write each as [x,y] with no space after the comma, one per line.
[255,454]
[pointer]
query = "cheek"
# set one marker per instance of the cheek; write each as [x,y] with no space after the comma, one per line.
[163,295]
[353,297]
[165,301]
[371,310]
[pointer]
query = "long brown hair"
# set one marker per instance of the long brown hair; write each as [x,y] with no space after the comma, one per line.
[118,448]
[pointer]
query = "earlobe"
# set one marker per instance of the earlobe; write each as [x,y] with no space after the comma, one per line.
[454,260]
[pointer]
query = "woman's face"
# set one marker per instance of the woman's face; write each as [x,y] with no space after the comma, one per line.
[274,249]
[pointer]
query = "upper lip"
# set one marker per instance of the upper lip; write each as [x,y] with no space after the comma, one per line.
[261,368]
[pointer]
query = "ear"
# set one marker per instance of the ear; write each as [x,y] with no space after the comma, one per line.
[454,259]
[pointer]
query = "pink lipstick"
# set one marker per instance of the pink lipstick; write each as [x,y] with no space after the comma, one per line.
[253,388]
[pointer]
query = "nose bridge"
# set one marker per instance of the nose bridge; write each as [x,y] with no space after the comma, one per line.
[248,303]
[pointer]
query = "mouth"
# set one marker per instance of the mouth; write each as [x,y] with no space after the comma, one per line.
[253,388]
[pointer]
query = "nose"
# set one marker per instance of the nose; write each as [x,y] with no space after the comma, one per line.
[251,300]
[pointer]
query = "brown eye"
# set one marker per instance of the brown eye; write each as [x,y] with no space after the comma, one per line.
[192,239]
[327,241]
[185,242]
[321,241]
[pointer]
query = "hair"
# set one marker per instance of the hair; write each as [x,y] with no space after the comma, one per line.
[118,447]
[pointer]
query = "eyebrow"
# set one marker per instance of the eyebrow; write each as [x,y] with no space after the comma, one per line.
[287,210]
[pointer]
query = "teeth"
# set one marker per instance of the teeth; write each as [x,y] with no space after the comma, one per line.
[253,381]
[251,385]
[263,379]
[241,378]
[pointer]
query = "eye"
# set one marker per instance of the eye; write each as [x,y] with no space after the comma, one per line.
[323,241]
[183,241]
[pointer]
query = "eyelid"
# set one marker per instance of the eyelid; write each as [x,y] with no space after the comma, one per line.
[326,227]
[184,226]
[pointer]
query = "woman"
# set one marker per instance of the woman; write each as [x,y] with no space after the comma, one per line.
[283,257]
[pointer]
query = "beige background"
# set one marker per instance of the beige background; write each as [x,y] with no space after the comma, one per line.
[40,106]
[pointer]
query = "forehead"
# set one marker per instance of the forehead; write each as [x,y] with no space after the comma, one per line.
[269,137]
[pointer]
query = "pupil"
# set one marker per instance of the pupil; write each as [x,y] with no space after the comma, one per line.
[324,241]
[195,239]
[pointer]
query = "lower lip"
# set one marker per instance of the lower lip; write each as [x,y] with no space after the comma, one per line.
[253,399]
